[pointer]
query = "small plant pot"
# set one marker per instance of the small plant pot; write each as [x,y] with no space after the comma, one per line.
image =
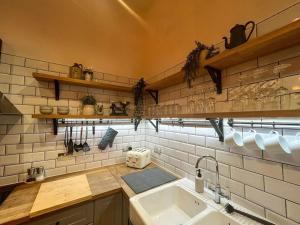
[88,110]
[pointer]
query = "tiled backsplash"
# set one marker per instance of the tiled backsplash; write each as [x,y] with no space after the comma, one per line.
[26,142]
[268,185]
[265,183]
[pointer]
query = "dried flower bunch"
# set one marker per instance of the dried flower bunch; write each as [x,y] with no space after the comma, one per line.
[192,65]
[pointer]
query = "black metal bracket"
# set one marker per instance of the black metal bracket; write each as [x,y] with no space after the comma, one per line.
[136,123]
[0,47]
[55,126]
[154,125]
[56,86]
[216,76]
[154,95]
[218,126]
[230,122]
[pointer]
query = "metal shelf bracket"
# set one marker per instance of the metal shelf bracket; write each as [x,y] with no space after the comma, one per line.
[216,76]
[154,125]
[136,123]
[55,126]
[218,126]
[154,95]
[56,86]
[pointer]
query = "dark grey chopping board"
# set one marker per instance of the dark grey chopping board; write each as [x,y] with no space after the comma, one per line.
[147,179]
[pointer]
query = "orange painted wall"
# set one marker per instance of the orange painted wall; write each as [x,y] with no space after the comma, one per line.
[103,34]
[176,24]
[97,33]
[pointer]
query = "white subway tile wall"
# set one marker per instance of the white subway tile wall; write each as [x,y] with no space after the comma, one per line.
[267,184]
[26,142]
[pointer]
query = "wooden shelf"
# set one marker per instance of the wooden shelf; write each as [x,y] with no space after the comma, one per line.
[249,114]
[77,82]
[57,116]
[174,79]
[276,40]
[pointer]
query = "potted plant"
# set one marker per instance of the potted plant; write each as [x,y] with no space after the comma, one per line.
[88,105]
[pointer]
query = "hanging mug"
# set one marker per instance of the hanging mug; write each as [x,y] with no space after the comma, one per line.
[276,144]
[234,139]
[254,141]
[295,146]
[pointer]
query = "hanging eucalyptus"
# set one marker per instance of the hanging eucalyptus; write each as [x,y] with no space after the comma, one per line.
[139,98]
[192,65]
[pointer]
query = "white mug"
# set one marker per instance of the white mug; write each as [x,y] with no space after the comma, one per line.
[234,139]
[254,141]
[276,144]
[295,146]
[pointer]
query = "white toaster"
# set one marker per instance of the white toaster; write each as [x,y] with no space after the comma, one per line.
[138,158]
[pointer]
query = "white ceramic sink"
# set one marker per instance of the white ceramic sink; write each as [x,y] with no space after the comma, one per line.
[177,203]
[167,205]
[215,218]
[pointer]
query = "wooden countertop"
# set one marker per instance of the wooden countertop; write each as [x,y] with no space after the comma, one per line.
[103,182]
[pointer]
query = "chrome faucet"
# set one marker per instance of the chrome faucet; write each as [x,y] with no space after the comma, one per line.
[217,190]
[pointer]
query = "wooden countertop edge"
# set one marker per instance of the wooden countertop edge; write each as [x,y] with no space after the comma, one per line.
[122,186]
[107,193]
[56,208]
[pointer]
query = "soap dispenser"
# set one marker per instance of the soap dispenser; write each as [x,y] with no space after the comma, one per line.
[199,182]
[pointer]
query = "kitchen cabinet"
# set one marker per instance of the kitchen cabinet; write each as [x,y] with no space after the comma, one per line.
[108,210]
[77,215]
[125,210]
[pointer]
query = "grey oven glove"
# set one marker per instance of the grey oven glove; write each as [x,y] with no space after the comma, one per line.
[108,138]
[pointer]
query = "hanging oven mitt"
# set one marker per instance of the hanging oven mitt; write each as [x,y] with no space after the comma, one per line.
[108,138]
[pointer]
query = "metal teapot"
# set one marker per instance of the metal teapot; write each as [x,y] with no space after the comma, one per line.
[76,71]
[238,35]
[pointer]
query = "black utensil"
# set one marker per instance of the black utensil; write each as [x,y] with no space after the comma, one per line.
[80,146]
[66,137]
[230,209]
[76,146]
[94,128]
[70,144]
[86,146]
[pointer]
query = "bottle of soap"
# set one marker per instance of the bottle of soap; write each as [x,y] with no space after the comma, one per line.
[199,182]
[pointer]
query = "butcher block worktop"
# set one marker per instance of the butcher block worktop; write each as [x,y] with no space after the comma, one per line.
[25,201]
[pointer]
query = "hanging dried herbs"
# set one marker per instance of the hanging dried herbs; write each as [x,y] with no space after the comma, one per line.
[139,98]
[192,65]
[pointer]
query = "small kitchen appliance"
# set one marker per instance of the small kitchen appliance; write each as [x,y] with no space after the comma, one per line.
[138,158]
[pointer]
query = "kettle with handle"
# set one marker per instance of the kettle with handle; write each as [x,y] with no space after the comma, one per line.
[238,35]
[76,71]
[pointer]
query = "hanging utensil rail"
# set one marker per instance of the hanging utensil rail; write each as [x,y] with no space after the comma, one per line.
[264,124]
[89,122]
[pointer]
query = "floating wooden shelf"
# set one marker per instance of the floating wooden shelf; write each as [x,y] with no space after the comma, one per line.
[276,40]
[249,114]
[66,80]
[57,116]
[168,81]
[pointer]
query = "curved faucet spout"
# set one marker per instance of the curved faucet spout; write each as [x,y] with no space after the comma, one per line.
[218,187]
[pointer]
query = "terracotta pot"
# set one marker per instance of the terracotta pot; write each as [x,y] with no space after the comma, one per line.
[88,110]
